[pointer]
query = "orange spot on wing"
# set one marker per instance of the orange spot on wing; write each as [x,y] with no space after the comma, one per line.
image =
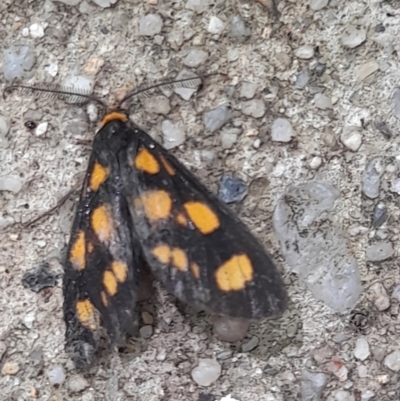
[98,176]
[101,223]
[168,168]
[195,269]
[205,220]
[110,282]
[78,252]
[157,204]
[146,162]
[179,259]
[234,273]
[120,270]
[181,219]
[162,253]
[85,312]
[114,115]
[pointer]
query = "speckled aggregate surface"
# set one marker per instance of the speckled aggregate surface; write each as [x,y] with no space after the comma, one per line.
[105,43]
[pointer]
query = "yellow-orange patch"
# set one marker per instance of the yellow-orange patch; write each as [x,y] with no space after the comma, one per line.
[110,282]
[85,312]
[98,176]
[181,219]
[78,252]
[179,259]
[146,162]
[114,115]
[168,168]
[157,204]
[101,223]
[162,253]
[195,269]
[120,270]
[235,273]
[205,220]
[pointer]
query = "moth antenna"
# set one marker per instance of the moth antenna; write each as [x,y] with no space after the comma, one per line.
[147,90]
[54,91]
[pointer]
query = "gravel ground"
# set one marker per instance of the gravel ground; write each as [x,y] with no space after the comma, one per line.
[309,94]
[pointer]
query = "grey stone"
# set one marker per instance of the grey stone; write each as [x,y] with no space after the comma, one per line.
[157,104]
[238,29]
[317,5]
[396,103]
[215,119]
[232,189]
[229,329]
[254,108]
[361,350]
[56,375]
[11,183]
[77,383]
[248,90]
[250,345]
[304,52]
[353,36]
[371,178]
[312,385]
[392,361]
[150,25]
[18,62]
[195,57]
[146,331]
[215,26]
[282,130]
[229,137]
[322,102]
[302,79]
[172,134]
[351,138]
[379,251]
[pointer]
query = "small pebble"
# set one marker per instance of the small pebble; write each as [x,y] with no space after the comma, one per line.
[396,103]
[312,385]
[146,331]
[215,119]
[3,349]
[150,25]
[195,57]
[248,90]
[238,29]
[304,52]
[11,183]
[379,297]
[215,26]
[315,162]
[147,318]
[353,37]
[172,134]
[93,65]
[302,79]
[361,350]
[157,104]
[197,6]
[207,372]
[250,345]
[383,128]
[351,138]
[186,93]
[362,371]
[367,395]
[232,189]
[229,329]
[342,395]
[104,3]
[5,125]
[36,31]
[56,375]
[365,70]
[229,137]
[38,279]
[281,130]
[322,102]
[17,62]
[379,251]
[77,383]
[317,5]
[337,367]
[395,294]
[392,361]
[380,28]
[254,108]
[371,177]
[10,368]
[52,69]
[41,129]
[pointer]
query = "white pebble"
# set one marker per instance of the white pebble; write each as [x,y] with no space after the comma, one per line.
[11,183]
[56,375]
[315,162]
[351,138]
[92,112]
[215,26]
[317,5]
[52,69]
[195,57]
[104,3]
[150,25]
[281,130]
[380,297]
[395,186]
[396,293]
[353,37]
[361,351]
[41,129]
[362,371]
[207,372]
[173,135]
[365,70]
[36,31]
[77,383]
[304,52]
[322,102]
[25,32]
[392,361]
